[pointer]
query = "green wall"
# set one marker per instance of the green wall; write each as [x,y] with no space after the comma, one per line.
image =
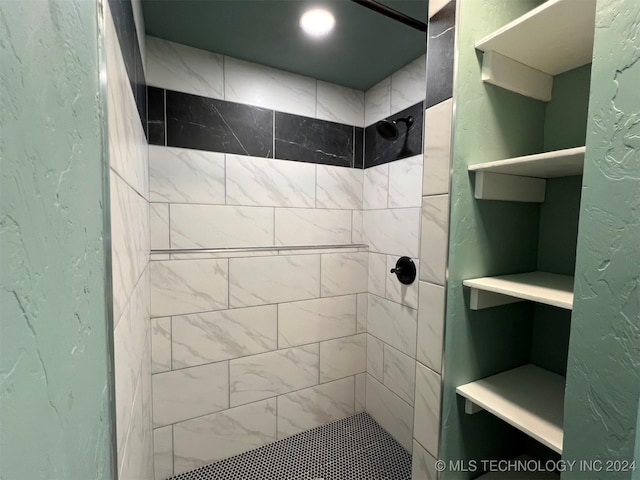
[603,374]
[636,455]
[565,126]
[55,387]
[490,123]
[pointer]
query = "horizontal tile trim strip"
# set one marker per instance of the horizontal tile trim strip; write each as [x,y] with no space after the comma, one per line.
[259,249]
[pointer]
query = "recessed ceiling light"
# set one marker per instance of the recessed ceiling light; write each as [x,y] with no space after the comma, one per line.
[317,22]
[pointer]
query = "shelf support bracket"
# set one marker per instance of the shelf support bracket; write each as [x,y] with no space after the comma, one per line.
[470,408]
[480,299]
[514,188]
[517,77]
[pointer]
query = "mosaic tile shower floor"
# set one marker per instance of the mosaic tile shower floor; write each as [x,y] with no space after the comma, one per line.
[355,448]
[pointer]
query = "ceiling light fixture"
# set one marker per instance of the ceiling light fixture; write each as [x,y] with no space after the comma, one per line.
[317,22]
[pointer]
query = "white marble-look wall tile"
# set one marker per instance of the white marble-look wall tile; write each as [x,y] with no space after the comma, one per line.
[191,392]
[146,453]
[213,226]
[431,325]
[357,232]
[423,465]
[188,286]
[405,182]
[304,226]
[276,279]
[310,321]
[138,458]
[376,187]
[268,87]
[130,240]
[339,187]
[163,452]
[215,336]
[397,291]
[399,373]
[270,374]
[340,104]
[160,344]
[343,273]
[393,231]
[377,102]
[130,465]
[361,323]
[129,339]
[435,228]
[264,182]
[343,357]
[437,148]
[182,175]
[185,69]
[213,437]
[391,412]
[361,393]
[409,84]
[159,226]
[128,147]
[315,406]
[378,273]
[427,409]
[393,323]
[130,230]
[375,357]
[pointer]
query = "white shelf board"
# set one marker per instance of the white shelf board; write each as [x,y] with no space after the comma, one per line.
[541,287]
[553,38]
[529,398]
[559,163]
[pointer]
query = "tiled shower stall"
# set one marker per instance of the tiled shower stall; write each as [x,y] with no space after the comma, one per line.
[256,232]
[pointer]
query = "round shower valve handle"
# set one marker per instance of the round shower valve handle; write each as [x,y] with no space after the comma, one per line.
[405,270]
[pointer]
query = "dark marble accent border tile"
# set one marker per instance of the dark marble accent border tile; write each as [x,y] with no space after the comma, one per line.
[358,151]
[379,150]
[156,125]
[125,26]
[314,141]
[216,125]
[440,52]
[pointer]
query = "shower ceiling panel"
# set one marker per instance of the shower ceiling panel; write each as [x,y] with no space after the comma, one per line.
[364,48]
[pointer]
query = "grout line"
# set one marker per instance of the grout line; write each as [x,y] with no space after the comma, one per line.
[169,223]
[273,133]
[277,417]
[279,349]
[224,77]
[353,150]
[173,451]
[262,400]
[265,206]
[226,176]
[170,342]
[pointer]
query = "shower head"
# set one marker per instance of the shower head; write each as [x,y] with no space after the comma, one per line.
[388,129]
